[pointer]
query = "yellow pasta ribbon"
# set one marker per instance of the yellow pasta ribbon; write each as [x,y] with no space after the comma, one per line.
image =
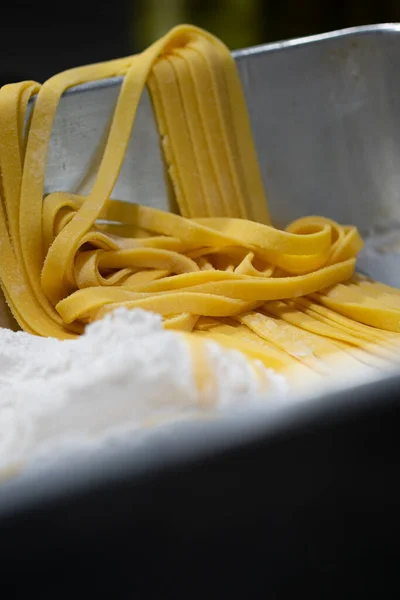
[218,270]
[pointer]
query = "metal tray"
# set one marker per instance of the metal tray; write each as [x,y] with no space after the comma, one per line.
[303,498]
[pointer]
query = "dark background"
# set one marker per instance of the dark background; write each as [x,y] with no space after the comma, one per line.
[38,39]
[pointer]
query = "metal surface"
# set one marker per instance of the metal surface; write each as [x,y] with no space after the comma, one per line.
[324,112]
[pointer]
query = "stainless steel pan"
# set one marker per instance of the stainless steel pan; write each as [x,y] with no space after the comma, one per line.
[325,112]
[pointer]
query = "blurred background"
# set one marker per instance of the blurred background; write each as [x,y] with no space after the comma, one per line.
[38,39]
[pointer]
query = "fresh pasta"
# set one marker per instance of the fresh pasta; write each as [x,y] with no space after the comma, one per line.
[217,270]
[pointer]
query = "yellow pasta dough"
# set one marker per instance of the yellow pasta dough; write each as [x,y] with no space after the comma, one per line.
[265,292]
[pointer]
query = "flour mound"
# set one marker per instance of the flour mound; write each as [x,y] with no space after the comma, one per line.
[125,374]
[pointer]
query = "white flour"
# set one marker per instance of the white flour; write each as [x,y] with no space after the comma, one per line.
[125,374]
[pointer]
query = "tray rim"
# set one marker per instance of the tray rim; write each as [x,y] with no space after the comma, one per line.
[242,53]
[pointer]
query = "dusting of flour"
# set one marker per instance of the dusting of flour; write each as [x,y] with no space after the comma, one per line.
[126,373]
